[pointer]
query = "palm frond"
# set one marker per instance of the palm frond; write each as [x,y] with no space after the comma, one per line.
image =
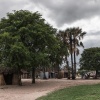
[81,44]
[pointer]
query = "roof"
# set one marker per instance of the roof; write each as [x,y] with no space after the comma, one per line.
[24,71]
[7,70]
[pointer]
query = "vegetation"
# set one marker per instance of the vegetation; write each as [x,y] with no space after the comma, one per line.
[77,37]
[71,38]
[13,53]
[26,41]
[83,92]
[90,59]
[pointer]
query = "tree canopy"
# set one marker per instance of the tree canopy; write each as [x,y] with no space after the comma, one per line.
[26,40]
[31,30]
[90,59]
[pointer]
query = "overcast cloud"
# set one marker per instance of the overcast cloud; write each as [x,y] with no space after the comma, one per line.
[69,11]
[63,14]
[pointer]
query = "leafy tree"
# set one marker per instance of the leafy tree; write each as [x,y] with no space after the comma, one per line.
[64,47]
[13,53]
[90,59]
[32,33]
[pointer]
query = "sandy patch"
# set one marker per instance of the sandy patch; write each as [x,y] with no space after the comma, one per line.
[32,91]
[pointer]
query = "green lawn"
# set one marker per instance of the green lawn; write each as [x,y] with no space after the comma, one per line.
[83,92]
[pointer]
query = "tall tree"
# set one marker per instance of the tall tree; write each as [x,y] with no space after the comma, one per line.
[77,37]
[32,32]
[72,38]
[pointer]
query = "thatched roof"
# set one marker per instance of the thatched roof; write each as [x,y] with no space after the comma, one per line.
[24,71]
[8,70]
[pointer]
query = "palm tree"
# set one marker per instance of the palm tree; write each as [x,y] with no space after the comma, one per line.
[66,39]
[71,38]
[77,37]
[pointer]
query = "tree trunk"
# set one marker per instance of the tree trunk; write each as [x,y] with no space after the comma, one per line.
[74,60]
[58,75]
[33,75]
[44,77]
[68,68]
[73,77]
[19,77]
[96,74]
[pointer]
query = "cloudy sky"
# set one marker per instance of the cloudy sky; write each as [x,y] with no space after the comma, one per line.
[63,14]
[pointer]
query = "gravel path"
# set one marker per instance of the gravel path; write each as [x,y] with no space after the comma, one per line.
[32,91]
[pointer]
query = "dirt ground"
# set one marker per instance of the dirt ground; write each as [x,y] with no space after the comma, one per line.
[32,91]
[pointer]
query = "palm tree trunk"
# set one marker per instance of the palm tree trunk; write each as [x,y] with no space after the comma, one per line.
[73,77]
[33,75]
[74,59]
[74,64]
[68,69]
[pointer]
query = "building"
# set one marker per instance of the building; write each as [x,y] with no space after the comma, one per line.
[8,76]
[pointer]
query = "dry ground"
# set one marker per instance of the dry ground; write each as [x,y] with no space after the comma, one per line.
[32,91]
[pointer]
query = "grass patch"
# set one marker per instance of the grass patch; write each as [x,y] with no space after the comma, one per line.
[82,92]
